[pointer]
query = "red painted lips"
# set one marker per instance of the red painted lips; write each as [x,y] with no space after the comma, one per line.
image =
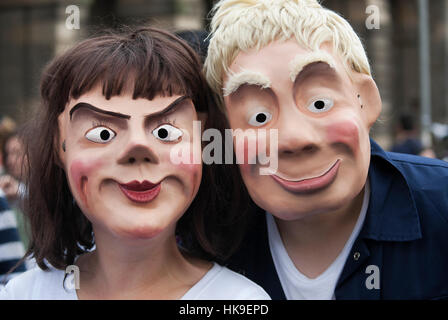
[140,192]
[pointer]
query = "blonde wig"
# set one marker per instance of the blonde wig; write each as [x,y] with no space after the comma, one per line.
[240,25]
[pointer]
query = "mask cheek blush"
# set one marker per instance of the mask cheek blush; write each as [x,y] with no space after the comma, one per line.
[194,173]
[80,171]
[345,133]
[246,152]
[184,163]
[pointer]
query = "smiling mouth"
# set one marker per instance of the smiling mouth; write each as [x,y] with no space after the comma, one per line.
[141,192]
[312,184]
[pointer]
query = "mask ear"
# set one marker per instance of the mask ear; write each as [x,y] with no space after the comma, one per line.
[59,142]
[370,98]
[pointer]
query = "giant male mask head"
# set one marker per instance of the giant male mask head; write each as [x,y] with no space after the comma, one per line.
[301,69]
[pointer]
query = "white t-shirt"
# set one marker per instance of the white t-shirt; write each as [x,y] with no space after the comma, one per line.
[219,283]
[296,285]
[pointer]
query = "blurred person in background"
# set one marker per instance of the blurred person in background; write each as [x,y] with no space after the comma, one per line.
[11,248]
[14,168]
[7,127]
[407,140]
[13,152]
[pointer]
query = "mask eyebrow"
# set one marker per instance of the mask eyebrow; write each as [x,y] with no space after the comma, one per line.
[86,105]
[245,77]
[300,62]
[168,109]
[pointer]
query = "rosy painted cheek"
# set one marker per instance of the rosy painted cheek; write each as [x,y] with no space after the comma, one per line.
[241,154]
[190,169]
[80,171]
[345,132]
[246,154]
[185,165]
[193,173]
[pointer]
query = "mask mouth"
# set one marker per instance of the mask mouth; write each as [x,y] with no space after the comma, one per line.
[139,186]
[310,184]
[141,192]
[310,177]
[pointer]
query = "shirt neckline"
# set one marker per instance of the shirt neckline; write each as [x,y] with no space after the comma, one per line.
[278,249]
[202,284]
[194,291]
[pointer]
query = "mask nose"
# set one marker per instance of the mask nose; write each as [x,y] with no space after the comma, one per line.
[137,149]
[298,134]
[137,154]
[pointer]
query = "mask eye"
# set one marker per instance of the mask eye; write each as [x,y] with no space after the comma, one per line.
[100,135]
[320,105]
[167,132]
[260,118]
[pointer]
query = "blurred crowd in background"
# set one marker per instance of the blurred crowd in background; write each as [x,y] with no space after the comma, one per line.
[33,32]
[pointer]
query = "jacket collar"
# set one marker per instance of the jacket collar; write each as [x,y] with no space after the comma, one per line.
[392,214]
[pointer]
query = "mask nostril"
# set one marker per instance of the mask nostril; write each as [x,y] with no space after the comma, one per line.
[131,160]
[308,148]
[147,159]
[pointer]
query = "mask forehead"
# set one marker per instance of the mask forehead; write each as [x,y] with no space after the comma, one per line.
[273,65]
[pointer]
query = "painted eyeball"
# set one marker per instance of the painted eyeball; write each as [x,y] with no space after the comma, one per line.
[100,135]
[320,105]
[167,132]
[260,118]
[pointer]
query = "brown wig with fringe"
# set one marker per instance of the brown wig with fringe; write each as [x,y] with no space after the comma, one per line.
[154,62]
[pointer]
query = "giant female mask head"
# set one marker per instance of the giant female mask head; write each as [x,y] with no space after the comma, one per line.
[99,148]
[117,160]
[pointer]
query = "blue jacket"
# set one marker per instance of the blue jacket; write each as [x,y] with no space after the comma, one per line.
[405,234]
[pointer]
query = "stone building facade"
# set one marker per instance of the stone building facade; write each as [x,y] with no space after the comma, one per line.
[33,31]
